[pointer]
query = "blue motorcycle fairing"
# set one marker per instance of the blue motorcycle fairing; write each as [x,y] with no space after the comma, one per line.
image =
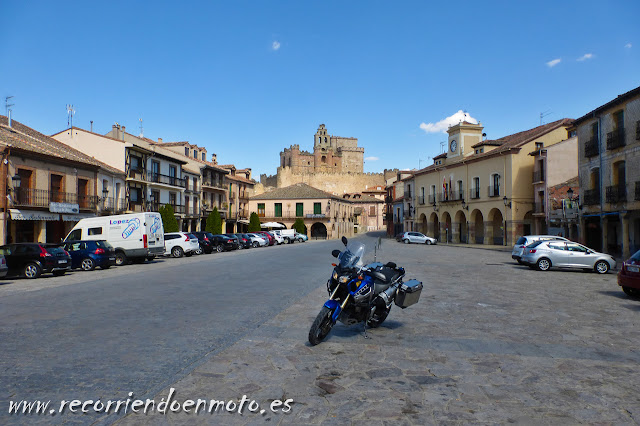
[335,307]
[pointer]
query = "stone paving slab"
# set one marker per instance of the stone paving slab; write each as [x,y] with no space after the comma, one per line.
[489,342]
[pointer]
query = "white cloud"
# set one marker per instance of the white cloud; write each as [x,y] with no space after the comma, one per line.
[371,159]
[553,63]
[443,125]
[275,45]
[628,45]
[585,57]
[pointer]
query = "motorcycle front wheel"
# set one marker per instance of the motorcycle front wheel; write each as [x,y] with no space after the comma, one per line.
[378,317]
[321,326]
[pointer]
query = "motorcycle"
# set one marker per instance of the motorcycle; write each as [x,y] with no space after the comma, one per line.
[362,293]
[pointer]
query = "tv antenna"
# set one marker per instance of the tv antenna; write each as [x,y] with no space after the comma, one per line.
[544,114]
[7,105]
[141,132]
[420,162]
[442,144]
[70,113]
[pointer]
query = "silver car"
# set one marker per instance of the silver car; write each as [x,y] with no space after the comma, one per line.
[258,240]
[544,255]
[526,240]
[416,237]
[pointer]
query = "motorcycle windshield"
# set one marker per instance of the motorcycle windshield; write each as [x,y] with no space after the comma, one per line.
[352,256]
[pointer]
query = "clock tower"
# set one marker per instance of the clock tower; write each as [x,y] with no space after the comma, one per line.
[462,137]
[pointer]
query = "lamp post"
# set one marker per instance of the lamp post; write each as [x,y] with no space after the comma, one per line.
[507,203]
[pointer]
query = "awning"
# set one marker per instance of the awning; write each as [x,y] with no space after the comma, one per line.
[33,215]
[76,217]
[246,222]
[272,225]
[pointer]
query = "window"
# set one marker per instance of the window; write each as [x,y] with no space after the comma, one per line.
[618,119]
[76,234]
[557,246]
[186,151]
[155,169]
[261,209]
[372,210]
[56,188]
[94,231]
[203,157]
[278,209]
[475,191]
[576,248]
[460,190]
[134,195]
[317,208]
[105,186]
[494,189]
[172,198]
[135,163]
[299,209]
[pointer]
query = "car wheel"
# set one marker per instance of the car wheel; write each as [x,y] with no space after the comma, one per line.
[520,261]
[177,251]
[121,259]
[601,267]
[255,244]
[88,264]
[198,250]
[32,270]
[219,248]
[428,242]
[630,291]
[405,241]
[543,264]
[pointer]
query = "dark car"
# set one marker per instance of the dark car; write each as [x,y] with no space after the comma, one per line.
[32,259]
[629,276]
[244,242]
[90,253]
[271,238]
[205,243]
[224,243]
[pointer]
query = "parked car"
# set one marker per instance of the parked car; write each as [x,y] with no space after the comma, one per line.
[258,240]
[547,254]
[416,237]
[89,254]
[270,237]
[276,236]
[3,266]
[204,238]
[301,237]
[524,241]
[178,244]
[223,243]
[33,259]
[243,242]
[629,275]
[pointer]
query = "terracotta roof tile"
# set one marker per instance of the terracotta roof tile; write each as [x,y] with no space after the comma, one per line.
[296,192]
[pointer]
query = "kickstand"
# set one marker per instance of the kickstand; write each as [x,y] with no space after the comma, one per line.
[364,329]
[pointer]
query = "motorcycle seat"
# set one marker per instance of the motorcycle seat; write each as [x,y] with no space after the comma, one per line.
[385,274]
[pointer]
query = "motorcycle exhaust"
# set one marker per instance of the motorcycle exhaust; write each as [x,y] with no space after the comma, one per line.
[388,295]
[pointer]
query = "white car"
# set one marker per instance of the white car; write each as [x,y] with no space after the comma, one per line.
[278,237]
[178,244]
[258,240]
[518,248]
[416,237]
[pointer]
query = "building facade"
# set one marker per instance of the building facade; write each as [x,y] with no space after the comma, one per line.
[609,172]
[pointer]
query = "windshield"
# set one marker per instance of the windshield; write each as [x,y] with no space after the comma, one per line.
[352,256]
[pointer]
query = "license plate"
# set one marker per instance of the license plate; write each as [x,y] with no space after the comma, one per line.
[112,258]
[633,269]
[62,261]
[151,243]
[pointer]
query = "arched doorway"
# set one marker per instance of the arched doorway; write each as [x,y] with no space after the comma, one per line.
[477,233]
[422,221]
[448,229]
[497,227]
[435,227]
[527,223]
[318,230]
[461,227]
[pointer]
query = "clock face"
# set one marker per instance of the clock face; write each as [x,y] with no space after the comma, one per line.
[454,145]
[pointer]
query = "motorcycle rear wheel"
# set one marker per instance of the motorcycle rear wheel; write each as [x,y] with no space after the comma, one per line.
[378,317]
[321,326]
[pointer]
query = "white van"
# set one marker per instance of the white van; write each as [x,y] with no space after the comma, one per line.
[288,235]
[135,236]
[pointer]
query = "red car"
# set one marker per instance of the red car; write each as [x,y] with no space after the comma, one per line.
[272,240]
[629,275]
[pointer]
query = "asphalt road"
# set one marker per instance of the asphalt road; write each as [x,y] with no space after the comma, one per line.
[105,333]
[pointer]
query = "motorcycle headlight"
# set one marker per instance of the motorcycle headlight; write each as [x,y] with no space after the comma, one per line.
[335,275]
[344,279]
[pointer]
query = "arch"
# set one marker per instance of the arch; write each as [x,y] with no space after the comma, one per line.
[434,229]
[527,223]
[477,227]
[496,227]
[318,230]
[448,228]
[461,227]
[422,223]
[323,158]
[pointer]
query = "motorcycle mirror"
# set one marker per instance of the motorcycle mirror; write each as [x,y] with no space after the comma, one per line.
[344,240]
[335,253]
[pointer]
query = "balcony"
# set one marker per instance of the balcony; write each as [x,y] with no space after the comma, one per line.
[474,193]
[243,195]
[615,139]
[29,197]
[407,195]
[291,214]
[432,199]
[407,214]
[209,183]
[112,205]
[446,197]
[154,207]
[421,200]
[616,194]
[591,197]
[591,148]
[166,180]
[494,191]
[637,195]
[232,195]
[538,176]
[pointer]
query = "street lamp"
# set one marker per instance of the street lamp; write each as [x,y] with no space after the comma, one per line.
[570,193]
[435,207]
[507,203]
[464,205]
[16,180]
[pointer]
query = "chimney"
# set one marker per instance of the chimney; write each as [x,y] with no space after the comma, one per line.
[9,118]
[91,126]
[159,140]
[214,158]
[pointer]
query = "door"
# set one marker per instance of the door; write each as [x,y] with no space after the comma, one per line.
[416,237]
[558,254]
[299,210]
[579,257]
[278,208]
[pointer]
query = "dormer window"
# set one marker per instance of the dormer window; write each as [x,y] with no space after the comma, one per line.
[539,146]
[203,156]
[195,154]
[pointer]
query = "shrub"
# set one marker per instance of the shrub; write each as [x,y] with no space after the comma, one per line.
[254,222]
[169,221]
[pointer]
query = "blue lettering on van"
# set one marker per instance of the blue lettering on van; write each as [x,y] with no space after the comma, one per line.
[156,225]
[133,225]
[119,221]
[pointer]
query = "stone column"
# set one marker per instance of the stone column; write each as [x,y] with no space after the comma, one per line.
[41,231]
[626,240]
[604,224]
[455,232]
[488,233]
[583,230]
[472,232]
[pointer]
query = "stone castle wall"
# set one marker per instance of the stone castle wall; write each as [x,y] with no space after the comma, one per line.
[334,183]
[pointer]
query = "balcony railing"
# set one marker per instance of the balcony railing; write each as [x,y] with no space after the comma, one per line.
[166,180]
[591,148]
[538,176]
[432,199]
[41,198]
[421,200]
[292,214]
[494,191]
[637,195]
[243,194]
[232,195]
[591,197]
[616,194]
[450,196]
[407,195]
[474,193]
[615,139]
[154,207]
[213,184]
[407,214]
[112,204]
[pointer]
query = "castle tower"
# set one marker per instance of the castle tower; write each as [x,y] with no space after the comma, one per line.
[322,139]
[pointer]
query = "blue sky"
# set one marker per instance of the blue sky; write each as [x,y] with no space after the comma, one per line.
[246,79]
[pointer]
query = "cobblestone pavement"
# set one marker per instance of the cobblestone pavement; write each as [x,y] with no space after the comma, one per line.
[489,342]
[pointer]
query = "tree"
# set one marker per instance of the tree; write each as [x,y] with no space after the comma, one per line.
[169,221]
[214,222]
[299,226]
[254,222]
